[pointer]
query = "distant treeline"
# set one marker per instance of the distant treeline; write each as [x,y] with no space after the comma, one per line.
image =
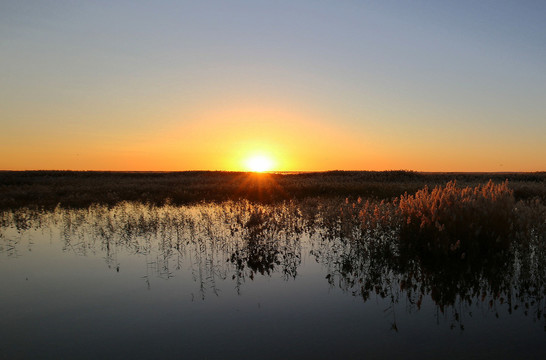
[82,188]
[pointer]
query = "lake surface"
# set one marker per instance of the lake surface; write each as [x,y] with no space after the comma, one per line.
[245,281]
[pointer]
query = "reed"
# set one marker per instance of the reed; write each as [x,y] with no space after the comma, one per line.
[79,189]
[461,220]
[438,243]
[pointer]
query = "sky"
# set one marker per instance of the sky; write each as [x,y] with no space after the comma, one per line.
[310,85]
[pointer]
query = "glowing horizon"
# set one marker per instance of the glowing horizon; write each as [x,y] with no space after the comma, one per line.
[260,163]
[315,86]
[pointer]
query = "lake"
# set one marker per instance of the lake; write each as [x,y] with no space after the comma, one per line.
[242,280]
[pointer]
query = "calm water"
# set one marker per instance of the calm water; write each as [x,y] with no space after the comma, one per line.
[242,281]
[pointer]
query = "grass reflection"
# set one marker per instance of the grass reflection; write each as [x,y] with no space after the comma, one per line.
[462,249]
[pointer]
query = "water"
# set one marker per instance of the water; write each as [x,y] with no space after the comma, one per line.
[237,280]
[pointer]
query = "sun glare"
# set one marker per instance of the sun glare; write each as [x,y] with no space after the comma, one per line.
[259,163]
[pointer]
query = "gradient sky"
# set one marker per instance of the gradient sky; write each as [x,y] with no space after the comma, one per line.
[315,85]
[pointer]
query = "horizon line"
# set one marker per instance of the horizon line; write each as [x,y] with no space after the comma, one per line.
[278,171]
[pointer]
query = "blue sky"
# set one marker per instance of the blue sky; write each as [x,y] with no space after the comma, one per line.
[356,85]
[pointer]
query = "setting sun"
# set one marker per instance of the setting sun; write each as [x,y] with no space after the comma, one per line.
[259,163]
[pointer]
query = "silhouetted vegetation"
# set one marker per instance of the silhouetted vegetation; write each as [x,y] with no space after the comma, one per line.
[458,221]
[83,188]
[463,248]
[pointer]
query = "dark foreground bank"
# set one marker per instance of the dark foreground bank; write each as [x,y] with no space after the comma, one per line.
[82,188]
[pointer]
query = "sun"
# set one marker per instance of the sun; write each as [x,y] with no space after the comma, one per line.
[259,163]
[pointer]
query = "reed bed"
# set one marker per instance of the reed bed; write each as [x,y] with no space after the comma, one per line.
[75,189]
[458,245]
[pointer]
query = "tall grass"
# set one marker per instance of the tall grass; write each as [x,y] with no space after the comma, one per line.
[462,220]
[80,189]
[458,245]
[449,220]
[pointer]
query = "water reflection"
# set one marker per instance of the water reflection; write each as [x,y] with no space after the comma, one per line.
[238,241]
[270,244]
[507,282]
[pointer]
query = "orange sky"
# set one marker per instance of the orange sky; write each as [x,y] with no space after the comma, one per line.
[347,86]
[225,138]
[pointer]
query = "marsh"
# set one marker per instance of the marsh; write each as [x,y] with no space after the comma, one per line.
[240,279]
